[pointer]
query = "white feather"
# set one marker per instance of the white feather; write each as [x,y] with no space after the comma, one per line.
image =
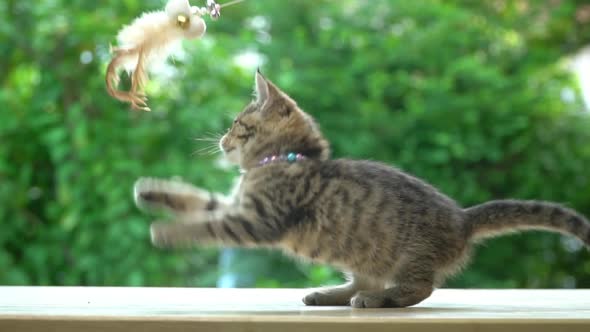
[177,7]
[150,38]
[196,29]
[154,32]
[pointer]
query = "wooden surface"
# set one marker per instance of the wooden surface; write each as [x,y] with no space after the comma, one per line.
[197,309]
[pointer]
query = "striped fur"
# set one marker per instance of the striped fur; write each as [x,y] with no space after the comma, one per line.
[395,236]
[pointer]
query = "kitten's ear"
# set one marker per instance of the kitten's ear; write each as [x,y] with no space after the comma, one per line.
[266,91]
[261,88]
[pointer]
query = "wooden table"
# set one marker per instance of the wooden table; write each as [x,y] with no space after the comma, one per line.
[197,309]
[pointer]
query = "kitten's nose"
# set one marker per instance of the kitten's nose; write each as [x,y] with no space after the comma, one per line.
[222,143]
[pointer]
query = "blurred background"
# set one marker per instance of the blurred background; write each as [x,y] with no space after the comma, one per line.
[484,99]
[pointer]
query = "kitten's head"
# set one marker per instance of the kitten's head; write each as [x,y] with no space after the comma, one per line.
[272,124]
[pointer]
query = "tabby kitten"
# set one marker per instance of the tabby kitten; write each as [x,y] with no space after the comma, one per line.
[396,236]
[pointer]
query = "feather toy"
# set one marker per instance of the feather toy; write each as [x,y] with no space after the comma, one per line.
[148,39]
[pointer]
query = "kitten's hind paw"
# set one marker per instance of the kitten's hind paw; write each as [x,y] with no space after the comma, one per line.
[372,300]
[321,299]
[394,297]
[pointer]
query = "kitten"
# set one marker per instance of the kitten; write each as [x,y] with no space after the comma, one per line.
[396,236]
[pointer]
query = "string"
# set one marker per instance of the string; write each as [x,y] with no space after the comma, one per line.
[230,3]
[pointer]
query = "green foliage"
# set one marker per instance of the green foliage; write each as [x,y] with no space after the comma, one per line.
[463,94]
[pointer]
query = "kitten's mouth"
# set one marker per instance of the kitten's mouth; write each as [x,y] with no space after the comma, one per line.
[223,147]
[232,154]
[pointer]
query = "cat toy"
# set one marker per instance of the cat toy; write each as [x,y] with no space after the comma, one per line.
[149,38]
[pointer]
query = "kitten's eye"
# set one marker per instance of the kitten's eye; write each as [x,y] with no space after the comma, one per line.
[245,137]
[244,131]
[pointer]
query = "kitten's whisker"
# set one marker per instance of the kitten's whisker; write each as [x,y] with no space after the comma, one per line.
[209,136]
[205,153]
[207,139]
[214,134]
[207,148]
[212,152]
[210,148]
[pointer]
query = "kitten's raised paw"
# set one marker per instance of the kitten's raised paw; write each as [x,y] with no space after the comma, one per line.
[372,300]
[160,235]
[152,195]
[148,195]
[319,299]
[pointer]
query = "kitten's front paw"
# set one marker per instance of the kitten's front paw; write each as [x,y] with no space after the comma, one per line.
[160,235]
[318,298]
[151,195]
[146,194]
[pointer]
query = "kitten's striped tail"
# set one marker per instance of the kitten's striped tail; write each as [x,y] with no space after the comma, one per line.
[505,216]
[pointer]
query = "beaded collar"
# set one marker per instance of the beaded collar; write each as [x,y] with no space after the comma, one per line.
[290,157]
